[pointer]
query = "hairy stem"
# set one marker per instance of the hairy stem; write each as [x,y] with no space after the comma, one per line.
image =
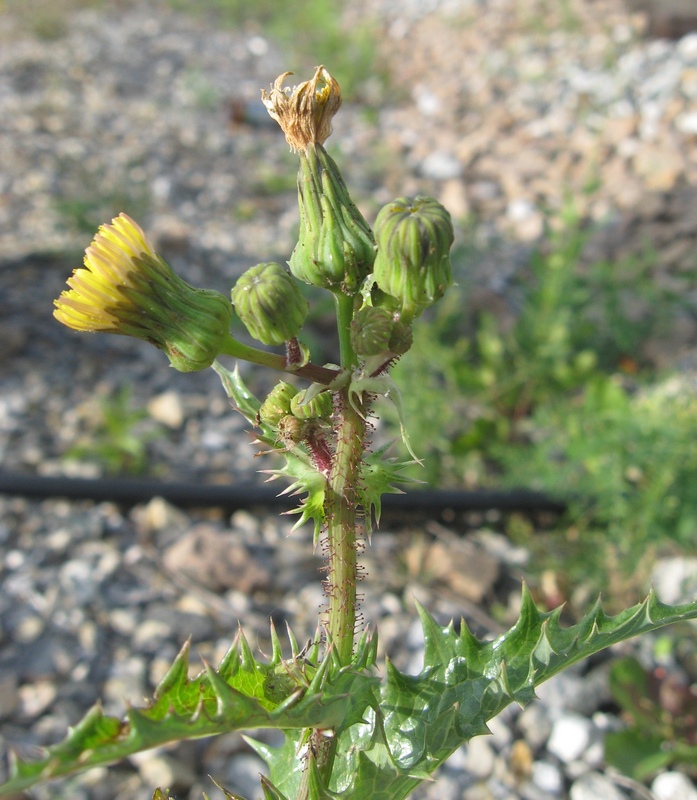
[341,511]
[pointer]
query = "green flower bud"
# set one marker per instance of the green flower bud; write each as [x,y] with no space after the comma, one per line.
[371,329]
[336,248]
[126,288]
[277,404]
[402,338]
[320,406]
[270,303]
[412,265]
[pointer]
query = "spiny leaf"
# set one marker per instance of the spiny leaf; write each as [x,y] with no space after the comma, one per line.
[233,697]
[420,720]
[304,478]
[270,791]
[466,682]
[298,468]
[379,476]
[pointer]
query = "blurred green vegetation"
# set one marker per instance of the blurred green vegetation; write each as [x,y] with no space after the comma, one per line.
[554,394]
[46,19]
[660,712]
[117,435]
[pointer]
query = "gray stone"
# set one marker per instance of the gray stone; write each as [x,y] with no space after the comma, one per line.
[480,757]
[242,774]
[535,724]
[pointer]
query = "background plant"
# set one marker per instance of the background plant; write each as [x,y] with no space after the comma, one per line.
[661,714]
[118,438]
[556,395]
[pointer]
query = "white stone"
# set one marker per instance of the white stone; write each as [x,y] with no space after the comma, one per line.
[519,210]
[441,166]
[687,123]
[687,46]
[164,770]
[673,786]
[675,579]
[595,786]
[35,698]
[427,102]
[547,777]
[571,735]
[167,409]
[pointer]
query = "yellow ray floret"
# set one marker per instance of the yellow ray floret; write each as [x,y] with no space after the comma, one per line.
[93,301]
[125,287]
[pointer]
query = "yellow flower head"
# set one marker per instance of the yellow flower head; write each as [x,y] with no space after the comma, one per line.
[305,112]
[125,287]
[96,299]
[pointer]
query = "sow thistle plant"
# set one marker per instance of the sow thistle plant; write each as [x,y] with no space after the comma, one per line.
[349,732]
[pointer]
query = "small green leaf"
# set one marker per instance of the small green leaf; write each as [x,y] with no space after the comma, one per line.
[636,754]
[236,389]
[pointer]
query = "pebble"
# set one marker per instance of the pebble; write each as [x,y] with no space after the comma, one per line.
[548,777]
[480,758]
[675,579]
[673,786]
[35,698]
[159,769]
[167,408]
[593,786]
[9,699]
[535,724]
[570,737]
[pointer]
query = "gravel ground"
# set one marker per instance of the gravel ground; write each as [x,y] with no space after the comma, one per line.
[496,113]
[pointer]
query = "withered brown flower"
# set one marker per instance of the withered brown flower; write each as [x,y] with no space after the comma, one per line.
[305,111]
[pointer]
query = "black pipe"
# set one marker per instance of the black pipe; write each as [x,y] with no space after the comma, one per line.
[130,491]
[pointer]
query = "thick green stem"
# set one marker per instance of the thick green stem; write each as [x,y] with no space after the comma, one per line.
[344,315]
[310,371]
[341,508]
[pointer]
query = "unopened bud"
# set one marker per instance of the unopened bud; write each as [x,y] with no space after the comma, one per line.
[412,265]
[277,404]
[319,407]
[270,304]
[402,338]
[335,248]
[371,329]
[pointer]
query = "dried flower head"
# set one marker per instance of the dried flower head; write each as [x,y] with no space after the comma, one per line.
[125,287]
[304,112]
